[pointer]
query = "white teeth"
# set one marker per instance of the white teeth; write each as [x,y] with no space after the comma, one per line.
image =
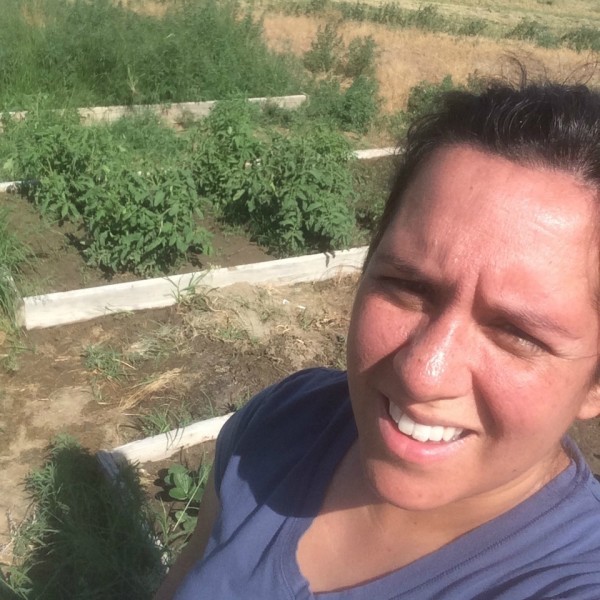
[422,433]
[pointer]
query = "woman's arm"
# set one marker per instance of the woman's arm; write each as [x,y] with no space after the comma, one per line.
[207,515]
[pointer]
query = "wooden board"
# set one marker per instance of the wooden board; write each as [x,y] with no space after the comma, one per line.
[59,308]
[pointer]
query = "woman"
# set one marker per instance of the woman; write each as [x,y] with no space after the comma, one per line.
[438,466]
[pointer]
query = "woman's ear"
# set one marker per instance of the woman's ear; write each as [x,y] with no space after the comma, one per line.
[590,407]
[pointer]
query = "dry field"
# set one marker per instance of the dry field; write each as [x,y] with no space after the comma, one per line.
[409,56]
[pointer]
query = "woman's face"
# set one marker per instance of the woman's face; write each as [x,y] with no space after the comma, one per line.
[474,334]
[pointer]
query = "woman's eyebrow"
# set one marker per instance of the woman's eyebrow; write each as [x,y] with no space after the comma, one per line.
[535,321]
[404,267]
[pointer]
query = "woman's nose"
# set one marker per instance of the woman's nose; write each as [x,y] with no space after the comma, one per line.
[435,361]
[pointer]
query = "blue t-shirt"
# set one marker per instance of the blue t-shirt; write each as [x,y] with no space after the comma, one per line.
[274,461]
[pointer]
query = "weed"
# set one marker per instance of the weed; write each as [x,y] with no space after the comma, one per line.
[185,487]
[89,539]
[15,255]
[162,419]
[583,38]
[325,50]
[351,110]
[105,361]
[79,53]
[530,29]
[360,57]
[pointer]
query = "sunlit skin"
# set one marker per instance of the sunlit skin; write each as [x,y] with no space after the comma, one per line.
[477,310]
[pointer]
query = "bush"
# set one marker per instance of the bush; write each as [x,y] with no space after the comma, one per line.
[292,193]
[583,38]
[82,53]
[530,29]
[360,57]
[325,50]
[300,197]
[424,98]
[351,110]
[142,222]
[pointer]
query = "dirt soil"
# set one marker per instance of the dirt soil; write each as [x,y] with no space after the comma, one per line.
[97,380]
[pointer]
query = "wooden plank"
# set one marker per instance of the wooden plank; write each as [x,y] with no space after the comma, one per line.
[375,153]
[59,308]
[9,186]
[162,446]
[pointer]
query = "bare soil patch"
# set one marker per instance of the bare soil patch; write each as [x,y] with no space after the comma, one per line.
[201,358]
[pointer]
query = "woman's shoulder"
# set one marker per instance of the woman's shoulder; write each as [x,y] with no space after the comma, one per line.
[285,419]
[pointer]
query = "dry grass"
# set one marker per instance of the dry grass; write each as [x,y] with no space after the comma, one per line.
[408,56]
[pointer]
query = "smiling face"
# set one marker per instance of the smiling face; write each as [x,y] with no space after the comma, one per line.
[474,335]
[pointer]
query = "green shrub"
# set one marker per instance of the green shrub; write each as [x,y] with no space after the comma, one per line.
[90,539]
[583,38]
[472,27]
[353,109]
[300,194]
[325,50]
[360,105]
[82,53]
[530,29]
[223,149]
[424,98]
[142,222]
[360,57]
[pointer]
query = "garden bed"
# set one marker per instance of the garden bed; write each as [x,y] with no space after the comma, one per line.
[122,377]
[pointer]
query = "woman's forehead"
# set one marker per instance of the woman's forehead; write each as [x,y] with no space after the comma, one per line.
[467,209]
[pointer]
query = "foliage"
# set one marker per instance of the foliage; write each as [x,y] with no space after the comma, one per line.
[530,29]
[300,195]
[142,222]
[325,50]
[105,360]
[372,182]
[89,539]
[185,487]
[353,109]
[224,147]
[360,57]
[429,18]
[163,419]
[80,53]
[424,98]
[293,192]
[583,38]
[14,257]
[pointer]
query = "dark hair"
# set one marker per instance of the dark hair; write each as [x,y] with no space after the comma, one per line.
[551,125]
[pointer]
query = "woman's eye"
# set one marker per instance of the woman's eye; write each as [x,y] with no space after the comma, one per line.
[515,340]
[410,294]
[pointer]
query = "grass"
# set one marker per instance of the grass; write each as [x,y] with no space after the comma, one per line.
[533,24]
[162,419]
[106,361]
[14,256]
[61,53]
[88,539]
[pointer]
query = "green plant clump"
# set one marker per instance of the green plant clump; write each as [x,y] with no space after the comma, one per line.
[142,222]
[139,215]
[81,53]
[291,192]
[89,539]
[185,488]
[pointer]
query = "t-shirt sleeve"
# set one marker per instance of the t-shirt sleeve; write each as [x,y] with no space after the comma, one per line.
[236,428]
